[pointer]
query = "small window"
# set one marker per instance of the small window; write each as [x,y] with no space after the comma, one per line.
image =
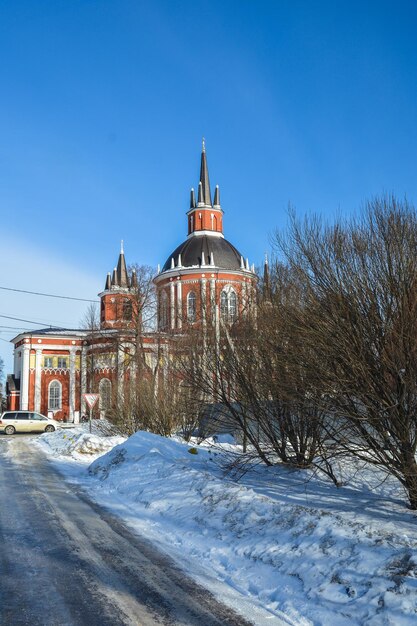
[38,417]
[55,396]
[47,362]
[191,307]
[62,363]
[127,310]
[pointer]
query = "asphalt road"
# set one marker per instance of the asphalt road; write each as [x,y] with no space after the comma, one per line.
[66,562]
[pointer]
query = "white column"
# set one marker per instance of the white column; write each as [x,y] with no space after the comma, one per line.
[213,300]
[172,303]
[120,372]
[16,363]
[24,379]
[38,374]
[179,303]
[72,384]
[245,301]
[203,301]
[83,379]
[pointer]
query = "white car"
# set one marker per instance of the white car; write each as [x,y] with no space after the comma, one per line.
[12,422]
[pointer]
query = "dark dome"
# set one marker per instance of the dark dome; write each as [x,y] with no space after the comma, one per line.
[225,255]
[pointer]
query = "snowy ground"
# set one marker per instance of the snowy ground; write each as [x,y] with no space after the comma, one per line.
[289,542]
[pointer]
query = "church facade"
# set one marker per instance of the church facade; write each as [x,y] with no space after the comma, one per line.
[204,281]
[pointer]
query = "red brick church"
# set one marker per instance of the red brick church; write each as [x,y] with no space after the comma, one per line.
[205,280]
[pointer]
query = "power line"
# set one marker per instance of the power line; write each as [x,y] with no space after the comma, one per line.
[19,319]
[47,295]
[14,327]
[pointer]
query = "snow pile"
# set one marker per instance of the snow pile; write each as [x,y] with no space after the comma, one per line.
[337,561]
[77,443]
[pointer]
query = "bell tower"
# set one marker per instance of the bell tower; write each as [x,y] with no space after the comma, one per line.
[119,298]
[205,217]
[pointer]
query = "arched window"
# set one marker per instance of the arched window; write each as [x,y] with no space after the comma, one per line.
[104,389]
[224,305]
[191,307]
[228,304]
[232,306]
[163,311]
[54,396]
[127,310]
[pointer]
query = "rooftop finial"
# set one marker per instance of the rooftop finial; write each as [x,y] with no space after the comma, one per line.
[204,178]
[121,247]
[204,145]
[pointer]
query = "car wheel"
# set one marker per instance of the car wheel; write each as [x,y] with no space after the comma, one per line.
[10,430]
[49,429]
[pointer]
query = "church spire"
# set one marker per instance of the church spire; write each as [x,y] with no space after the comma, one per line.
[267,282]
[204,177]
[122,276]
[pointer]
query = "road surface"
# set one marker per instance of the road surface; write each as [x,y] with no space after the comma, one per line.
[64,561]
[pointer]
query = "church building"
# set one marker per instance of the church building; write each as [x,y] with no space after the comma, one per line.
[205,280]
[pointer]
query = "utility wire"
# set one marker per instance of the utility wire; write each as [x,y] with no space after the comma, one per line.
[47,295]
[14,327]
[19,319]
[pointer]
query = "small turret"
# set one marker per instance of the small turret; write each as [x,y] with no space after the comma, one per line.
[192,199]
[216,202]
[134,279]
[267,284]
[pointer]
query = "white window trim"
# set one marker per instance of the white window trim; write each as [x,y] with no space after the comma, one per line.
[60,395]
[192,318]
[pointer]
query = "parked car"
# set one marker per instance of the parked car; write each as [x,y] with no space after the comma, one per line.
[12,422]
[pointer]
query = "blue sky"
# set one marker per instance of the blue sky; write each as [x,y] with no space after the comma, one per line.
[104,102]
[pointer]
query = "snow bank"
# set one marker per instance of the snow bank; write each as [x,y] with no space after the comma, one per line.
[77,444]
[333,565]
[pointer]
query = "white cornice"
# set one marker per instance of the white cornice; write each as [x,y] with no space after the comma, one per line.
[206,207]
[209,233]
[77,335]
[205,269]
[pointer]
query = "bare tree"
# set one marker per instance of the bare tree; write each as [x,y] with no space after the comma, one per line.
[358,325]
[250,374]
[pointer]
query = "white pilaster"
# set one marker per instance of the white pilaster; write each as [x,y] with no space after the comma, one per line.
[172,303]
[16,363]
[38,375]
[120,372]
[179,303]
[24,379]
[203,301]
[245,300]
[72,384]
[213,300]
[83,379]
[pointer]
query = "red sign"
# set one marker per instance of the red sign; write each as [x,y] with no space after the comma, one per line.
[91,399]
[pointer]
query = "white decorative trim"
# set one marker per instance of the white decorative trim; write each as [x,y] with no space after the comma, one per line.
[194,269]
[200,205]
[38,373]
[210,233]
[60,395]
